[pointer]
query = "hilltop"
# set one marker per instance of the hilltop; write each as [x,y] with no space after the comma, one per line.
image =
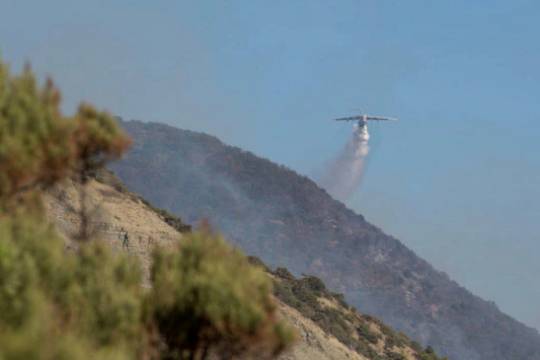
[288,221]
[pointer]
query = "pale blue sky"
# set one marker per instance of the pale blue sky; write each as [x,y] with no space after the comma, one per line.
[456,180]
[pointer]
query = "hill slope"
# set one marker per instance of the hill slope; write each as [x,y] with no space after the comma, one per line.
[305,303]
[287,220]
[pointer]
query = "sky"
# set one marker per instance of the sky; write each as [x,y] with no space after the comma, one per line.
[456,179]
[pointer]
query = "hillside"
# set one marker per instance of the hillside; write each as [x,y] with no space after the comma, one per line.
[364,334]
[328,328]
[115,212]
[288,221]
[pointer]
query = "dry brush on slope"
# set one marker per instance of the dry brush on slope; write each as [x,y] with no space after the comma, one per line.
[364,334]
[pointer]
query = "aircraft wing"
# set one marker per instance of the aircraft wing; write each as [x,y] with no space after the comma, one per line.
[350,118]
[380,118]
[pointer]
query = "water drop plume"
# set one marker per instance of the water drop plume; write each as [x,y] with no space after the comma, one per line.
[343,175]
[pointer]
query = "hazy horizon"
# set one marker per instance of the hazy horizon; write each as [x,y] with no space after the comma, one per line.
[456,179]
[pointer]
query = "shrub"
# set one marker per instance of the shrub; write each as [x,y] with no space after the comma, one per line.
[63,305]
[39,146]
[255,261]
[363,331]
[207,298]
[283,273]
[313,283]
[390,355]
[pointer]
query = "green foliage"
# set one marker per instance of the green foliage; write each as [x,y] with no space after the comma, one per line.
[364,332]
[38,145]
[391,355]
[207,296]
[429,354]
[32,134]
[393,338]
[56,303]
[255,261]
[98,139]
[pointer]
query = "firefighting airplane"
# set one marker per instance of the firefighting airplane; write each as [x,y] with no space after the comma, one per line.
[363,119]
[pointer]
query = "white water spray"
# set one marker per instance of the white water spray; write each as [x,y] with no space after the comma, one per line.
[343,176]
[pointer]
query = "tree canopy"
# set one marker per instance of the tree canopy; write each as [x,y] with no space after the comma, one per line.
[39,145]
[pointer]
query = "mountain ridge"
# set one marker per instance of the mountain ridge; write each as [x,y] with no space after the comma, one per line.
[291,222]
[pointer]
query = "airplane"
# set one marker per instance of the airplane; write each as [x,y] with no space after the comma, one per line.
[363,119]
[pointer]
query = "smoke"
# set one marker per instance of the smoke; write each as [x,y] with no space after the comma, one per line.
[343,175]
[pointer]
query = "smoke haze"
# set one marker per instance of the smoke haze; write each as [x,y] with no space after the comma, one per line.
[343,175]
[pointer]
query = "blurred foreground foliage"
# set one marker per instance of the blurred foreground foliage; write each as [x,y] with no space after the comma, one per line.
[206,295]
[204,298]
[58,305]
[39,146]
